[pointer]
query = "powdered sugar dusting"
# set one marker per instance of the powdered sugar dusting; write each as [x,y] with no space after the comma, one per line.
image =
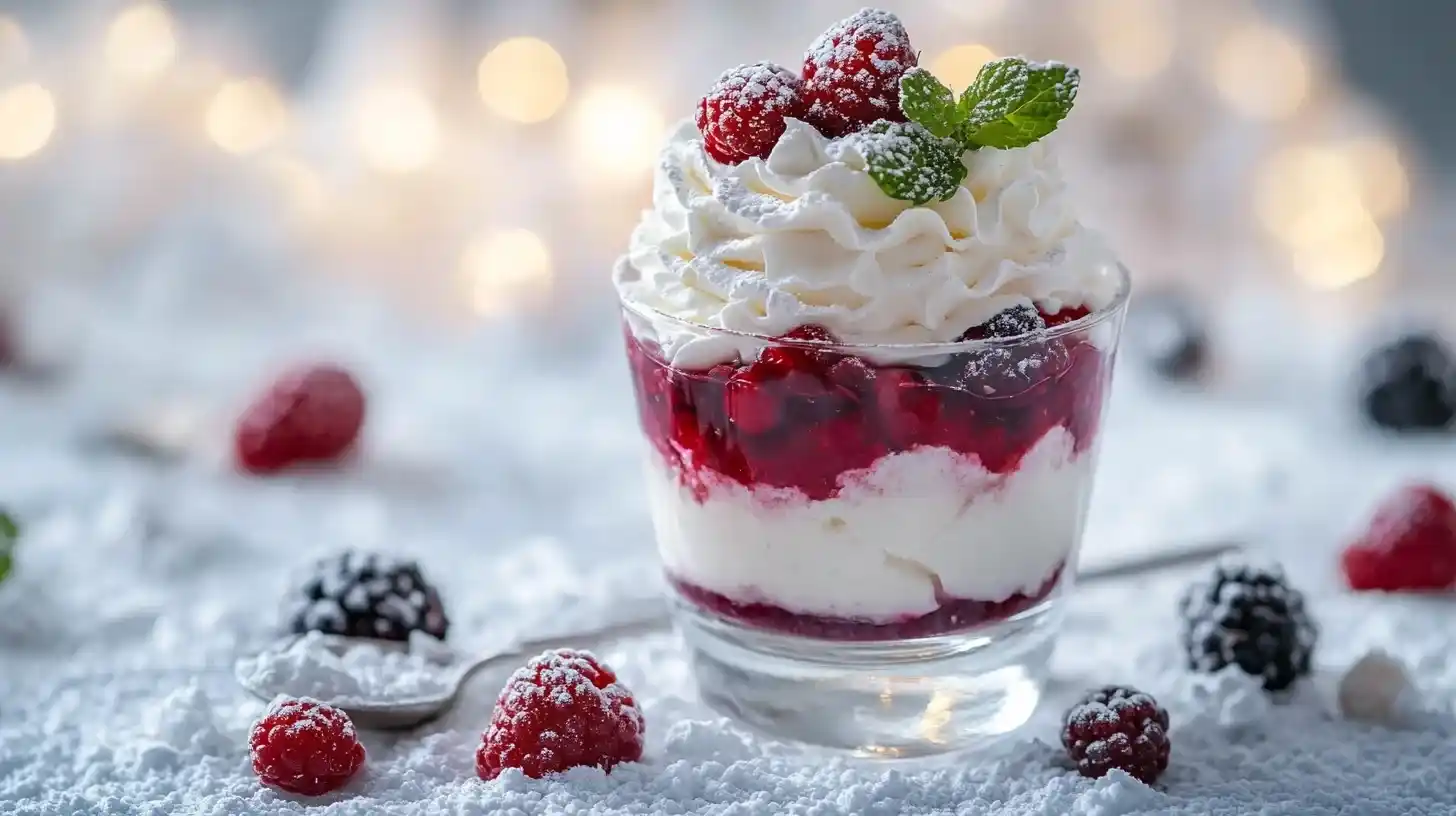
[843,40]
[318,666]
[759,83]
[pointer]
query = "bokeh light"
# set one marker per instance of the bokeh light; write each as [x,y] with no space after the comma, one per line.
[1133,38]
[398,129]
[523,79]
[958,66]
[246,115]
[1384,182]
[27,120]
[1311,199]
[141,42]
[14,47]
[1262,72]
[618,131]
[304,191]
[504,269]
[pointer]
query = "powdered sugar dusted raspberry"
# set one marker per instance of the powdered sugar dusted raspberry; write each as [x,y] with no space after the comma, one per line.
[562,710]
[742,116]
[852,72]
[304,746]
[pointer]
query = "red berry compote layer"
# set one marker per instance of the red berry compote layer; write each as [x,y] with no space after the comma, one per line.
[870,359]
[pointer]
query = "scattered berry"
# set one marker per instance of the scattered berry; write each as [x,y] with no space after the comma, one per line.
[305,747]
[562,710]
[1410,384]
[1410,544]
[852,72]
[310,414]
[359,594]
[743,114]
[1117,727]
[1248,616]
[1167,332]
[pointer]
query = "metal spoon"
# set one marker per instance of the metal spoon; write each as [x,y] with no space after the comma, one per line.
[399,715]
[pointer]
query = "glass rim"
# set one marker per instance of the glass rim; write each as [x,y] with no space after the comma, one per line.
[1090,320]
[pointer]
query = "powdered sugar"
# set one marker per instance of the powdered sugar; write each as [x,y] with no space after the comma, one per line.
[339,672]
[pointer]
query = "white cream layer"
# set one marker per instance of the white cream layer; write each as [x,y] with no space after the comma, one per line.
[878,549]
[806,236]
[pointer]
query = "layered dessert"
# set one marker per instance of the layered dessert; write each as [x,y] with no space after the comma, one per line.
[870,342]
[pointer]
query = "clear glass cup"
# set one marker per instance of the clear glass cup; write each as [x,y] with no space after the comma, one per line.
[867,544]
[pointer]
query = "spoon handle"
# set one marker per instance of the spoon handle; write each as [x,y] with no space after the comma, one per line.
[655,620]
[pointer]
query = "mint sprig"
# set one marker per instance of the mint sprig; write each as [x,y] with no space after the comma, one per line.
[1014,103]
[930,102]
[9,534]
[911,163]
[1011,103]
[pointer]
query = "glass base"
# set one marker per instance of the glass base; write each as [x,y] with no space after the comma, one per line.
[885,699]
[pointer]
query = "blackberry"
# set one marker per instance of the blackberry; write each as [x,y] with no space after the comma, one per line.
[360,594]
[1117,727]
[1014,322]
[1410,384]
[1248,616]
[1167,332]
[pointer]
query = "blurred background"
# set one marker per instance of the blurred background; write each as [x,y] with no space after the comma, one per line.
[480,162]
[194,193]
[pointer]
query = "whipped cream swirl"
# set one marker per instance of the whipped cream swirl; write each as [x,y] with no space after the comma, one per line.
[806,236]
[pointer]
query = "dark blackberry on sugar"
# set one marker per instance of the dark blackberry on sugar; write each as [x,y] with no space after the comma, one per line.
[1248,616]
[362,594]
[1409,384]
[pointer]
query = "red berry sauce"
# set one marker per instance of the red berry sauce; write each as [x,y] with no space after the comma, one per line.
[802,416]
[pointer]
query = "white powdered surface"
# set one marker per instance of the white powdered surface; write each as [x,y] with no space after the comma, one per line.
[509,469]
[313,666]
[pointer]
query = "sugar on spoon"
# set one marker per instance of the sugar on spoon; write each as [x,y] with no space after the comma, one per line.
[398,714]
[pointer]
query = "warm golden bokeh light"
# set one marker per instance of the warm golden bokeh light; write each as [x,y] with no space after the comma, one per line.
[1133,38]
[141,41]
[302,187]
[1384,182]
[618,131]
[27,120]
[14,48]
[398,129]
[246,116]
[958,66]
[1312,200]
[523,79]
[506,269]
[1262,72]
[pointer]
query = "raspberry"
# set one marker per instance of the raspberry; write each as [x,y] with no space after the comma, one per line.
[562,710]
[852,72]
[311,414]
[1117,727]
[742,116]
[304,746]
[1248,616]
[1410,544]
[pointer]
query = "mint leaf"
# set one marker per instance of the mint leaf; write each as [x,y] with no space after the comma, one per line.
[910,163]
[9,532]
[1014,103]
[928,101]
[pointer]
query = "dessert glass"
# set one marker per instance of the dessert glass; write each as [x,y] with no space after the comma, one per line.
[867,544]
